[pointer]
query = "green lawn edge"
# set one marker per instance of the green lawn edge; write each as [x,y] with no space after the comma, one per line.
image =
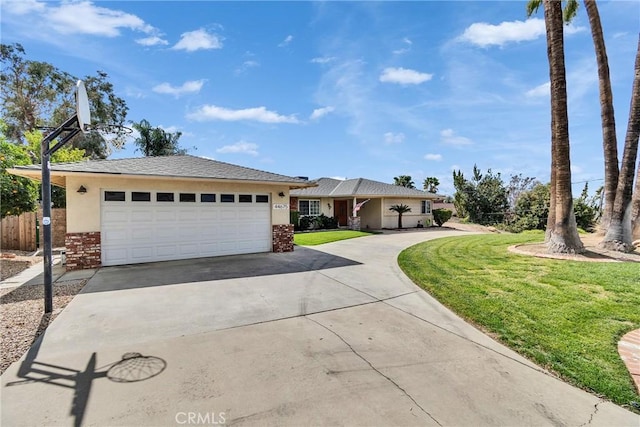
[565,316]
[314,238]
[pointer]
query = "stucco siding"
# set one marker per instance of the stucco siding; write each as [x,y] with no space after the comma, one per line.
[370,215]
[409,219]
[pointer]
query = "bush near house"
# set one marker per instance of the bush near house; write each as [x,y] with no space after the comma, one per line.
[440,216]
[320,222]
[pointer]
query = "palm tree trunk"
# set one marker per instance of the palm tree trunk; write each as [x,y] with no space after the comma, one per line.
[635,211]
[619,234]
[564,236]
[609,140]
[400,220]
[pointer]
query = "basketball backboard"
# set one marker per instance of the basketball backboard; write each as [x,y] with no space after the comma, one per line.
[82,107]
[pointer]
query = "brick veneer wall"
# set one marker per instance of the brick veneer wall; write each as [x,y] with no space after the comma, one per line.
[283,238]
[83,250]
[293,203]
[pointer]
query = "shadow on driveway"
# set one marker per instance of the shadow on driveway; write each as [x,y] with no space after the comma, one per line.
[210,269]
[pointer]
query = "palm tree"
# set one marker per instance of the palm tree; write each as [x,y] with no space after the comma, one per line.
[403,181]
[619,233]
[156,141]
[609,140]
[431,184]
[400,209]
[563,236]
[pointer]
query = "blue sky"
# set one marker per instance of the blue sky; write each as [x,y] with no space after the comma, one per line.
[343,89]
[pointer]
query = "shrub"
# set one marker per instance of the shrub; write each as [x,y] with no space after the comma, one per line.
[440,216]
[323,222]
[294,218]
[305,222]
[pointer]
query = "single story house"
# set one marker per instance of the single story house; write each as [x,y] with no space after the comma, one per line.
[344,199]
[135,210]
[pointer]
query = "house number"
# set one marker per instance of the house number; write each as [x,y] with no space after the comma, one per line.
[280,206]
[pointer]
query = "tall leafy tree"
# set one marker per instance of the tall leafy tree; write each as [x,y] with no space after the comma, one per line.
[37,94]
[17,194]
[400,209]
[155,141]
[482,199]
[431,184]
[562,229]
[404,181]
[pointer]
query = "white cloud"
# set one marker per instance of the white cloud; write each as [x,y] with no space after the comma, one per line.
[323,59]
[286,41]
[192,86]
[434,157]
[321,112]
[393,138]
[24,7]
[404,76]
[152,41]
[484,35]
[539,91]
[406,40]
[198,39]
[449,137]
[246,65]
[240,147]
[258,114]
[86,18]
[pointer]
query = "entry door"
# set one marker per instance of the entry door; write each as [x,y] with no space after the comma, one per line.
[341,210]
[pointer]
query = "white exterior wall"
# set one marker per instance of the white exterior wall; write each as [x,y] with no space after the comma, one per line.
[409,219]
[83,210]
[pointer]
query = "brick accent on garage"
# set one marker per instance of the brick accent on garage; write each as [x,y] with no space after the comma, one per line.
[283,238]
[83,250]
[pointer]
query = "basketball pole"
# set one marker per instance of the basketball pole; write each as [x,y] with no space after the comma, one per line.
[46,151]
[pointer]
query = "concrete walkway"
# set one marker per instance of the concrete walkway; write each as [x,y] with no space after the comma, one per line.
[335,335]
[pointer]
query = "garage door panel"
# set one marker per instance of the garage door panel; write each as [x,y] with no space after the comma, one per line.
[134,232]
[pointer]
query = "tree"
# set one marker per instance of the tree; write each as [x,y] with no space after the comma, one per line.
[37,94]
[440,216]
[518,185]
[431,184]
[561,228]
[619,234]
[483,199]
[400,209]
[404,181]
[17,194]
[532,209]
[156,141]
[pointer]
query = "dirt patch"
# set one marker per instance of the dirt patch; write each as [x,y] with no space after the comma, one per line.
[22,316]
[592,254]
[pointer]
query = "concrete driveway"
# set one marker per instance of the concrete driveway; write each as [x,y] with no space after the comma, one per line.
[330,336]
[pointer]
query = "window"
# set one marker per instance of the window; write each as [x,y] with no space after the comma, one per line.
[164,197]
[245,198]
[114,196]
[227,198]
[140,196]
[425,207]
[309,207]
[208,198]
[262,198]
[188,197]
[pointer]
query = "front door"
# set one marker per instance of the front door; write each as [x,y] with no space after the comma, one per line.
[340,207]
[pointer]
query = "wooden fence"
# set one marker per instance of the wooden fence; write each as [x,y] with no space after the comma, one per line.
[19,232]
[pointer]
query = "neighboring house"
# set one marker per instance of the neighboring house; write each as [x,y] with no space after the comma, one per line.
[147,209]
[336,198]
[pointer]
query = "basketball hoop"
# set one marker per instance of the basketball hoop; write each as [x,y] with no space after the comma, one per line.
[83,112]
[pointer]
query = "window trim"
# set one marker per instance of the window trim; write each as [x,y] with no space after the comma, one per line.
[309,201]
[423,207]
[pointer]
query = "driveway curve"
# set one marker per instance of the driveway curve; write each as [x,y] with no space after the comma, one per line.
[331,335]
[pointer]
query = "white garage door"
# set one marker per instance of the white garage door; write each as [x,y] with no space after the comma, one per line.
[145,226]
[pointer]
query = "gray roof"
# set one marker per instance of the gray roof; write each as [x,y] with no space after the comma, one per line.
[184,166]
[359,187]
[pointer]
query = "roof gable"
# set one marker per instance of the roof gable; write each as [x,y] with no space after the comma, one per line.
[358,187]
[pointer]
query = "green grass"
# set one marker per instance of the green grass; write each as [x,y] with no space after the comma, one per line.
[321,237]
[566,316]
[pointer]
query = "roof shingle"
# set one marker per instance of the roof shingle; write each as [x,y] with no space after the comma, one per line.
[358,187]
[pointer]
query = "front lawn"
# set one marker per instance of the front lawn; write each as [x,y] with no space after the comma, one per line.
[320,237]
[566,316]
